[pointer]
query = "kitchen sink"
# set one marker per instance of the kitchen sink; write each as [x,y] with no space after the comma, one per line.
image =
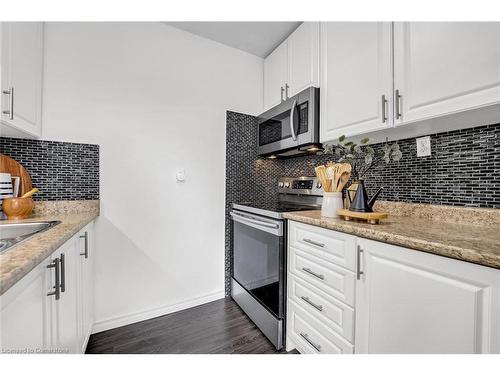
[12,234]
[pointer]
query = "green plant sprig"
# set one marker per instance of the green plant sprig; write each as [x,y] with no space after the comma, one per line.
[362,156]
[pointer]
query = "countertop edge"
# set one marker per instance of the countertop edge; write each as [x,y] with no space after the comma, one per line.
[409,242]
[5,285]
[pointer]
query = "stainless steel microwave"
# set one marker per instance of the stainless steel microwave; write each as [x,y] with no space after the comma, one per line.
[292,127]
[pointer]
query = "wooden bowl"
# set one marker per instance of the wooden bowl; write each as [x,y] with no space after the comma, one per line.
[17,208]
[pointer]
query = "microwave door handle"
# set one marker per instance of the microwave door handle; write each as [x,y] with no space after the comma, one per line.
[292,120]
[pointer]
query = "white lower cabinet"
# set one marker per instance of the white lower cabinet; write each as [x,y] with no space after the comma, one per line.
[86,281]
[25,313]
[51,308]
[64,310]
[309,335]
[320,290]
[413,302]
[395,300]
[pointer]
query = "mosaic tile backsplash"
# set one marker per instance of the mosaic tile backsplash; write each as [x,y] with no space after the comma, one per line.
[61,170]
[463,170]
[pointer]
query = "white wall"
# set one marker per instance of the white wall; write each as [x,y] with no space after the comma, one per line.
[154,98]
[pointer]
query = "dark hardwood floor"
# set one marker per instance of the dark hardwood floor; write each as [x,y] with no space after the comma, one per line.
[216,327]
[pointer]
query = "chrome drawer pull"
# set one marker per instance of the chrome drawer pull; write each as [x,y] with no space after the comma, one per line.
[308,270]
[9,111]
[86,252]
[57,282]
[384,112]
[398,104]
[313,242]
[315,346]
[62,262]
[358,264]
[317,307]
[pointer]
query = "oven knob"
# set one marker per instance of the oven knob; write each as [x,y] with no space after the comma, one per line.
[287,185]
[280,184]
[318,185]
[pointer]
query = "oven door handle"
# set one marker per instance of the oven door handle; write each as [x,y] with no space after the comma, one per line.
[274,228]
[258,222]
[292,120]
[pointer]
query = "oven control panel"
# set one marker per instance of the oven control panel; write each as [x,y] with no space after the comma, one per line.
[300,185]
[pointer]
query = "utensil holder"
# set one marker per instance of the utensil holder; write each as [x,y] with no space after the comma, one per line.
[332,202]
[18,208]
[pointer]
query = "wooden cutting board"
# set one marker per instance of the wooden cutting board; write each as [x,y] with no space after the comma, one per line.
[9,165]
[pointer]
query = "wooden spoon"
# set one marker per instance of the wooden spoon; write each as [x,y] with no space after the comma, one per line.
[30,193]
[323,177]
[344,175]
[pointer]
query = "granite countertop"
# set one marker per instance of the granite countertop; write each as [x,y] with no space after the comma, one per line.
[19,260]
[454,239]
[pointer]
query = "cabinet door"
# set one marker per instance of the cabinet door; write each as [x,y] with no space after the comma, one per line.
[303,58]
[22,62]
[275,77]
[65,319]
[25,312]
[86,281]
[445,67]
[356,78]
[413,302]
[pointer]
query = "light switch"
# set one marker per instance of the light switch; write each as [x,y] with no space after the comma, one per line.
[424,146]
[180,175]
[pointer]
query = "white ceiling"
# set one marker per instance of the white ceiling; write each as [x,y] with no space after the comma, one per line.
[257,38]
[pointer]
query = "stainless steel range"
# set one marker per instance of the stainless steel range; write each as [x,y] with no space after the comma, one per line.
[258,277]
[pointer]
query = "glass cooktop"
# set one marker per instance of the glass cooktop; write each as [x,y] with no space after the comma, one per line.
[273,209]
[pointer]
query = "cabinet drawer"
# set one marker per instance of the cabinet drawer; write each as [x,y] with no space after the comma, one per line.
[333,280]
[335,314]
[335,247]
[312,336]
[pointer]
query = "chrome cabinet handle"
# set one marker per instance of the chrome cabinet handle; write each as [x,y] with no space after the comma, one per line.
[313,242]
[317,307]
[398,104]
[384,109]
[305,336]
[86,252]
[9,111]
[286,90]
[358,264]
[308,270]
[282,90]
[63,272]
[292,127]
[57,286]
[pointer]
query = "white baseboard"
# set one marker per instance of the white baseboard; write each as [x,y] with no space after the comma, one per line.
[123,320]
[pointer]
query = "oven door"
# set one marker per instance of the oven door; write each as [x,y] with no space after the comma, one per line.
[291,124]
[258,259]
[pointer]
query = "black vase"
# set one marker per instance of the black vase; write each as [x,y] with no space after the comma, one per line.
[360,201]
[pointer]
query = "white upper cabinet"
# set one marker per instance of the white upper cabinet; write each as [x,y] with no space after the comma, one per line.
[303,58]
[22,65]
[356,78]
[293,66]
[445,67]
[275,70]
[411,302]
